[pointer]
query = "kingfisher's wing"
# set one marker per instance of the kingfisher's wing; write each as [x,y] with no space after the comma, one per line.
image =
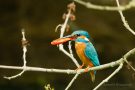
[91,53]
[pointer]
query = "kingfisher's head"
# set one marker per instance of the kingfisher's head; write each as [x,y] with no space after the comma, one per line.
[80,36]
[80,33]
[77,36]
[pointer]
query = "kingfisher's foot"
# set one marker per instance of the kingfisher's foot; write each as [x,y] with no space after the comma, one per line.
[80,67]
[86,69]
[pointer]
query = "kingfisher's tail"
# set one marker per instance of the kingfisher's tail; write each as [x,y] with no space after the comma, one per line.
[92,73]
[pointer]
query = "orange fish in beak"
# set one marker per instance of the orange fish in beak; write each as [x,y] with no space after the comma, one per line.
[62,40]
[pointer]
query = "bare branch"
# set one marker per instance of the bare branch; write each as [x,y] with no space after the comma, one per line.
[68,71]
[24,44]
[124,20]
[108,8]
[71,82]
[56,29]
[118,8]
[108,78]
[62,30]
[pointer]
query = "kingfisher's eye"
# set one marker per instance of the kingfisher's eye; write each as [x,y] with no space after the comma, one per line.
[78,35]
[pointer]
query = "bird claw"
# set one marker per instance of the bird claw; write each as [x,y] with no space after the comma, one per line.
[80,67]
[86,69]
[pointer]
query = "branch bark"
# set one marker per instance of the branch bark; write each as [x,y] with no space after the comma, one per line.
[108,8]
[71,82]
[109,77]
[69,71]
[62,31]
[24,45]
[125,23]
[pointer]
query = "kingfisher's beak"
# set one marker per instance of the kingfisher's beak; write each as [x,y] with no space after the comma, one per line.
[63,40]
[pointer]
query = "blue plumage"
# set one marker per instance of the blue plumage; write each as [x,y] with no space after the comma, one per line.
[86,51]
[81,32]
[91,53]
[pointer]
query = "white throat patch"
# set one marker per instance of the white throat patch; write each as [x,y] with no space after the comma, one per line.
[86,39]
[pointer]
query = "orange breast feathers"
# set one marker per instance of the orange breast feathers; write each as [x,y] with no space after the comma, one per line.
[80,49]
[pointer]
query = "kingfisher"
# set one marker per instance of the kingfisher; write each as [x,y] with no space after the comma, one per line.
[84,49]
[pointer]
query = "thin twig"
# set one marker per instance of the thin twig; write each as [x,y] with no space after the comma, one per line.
[129,64]
[68,54]
[125,23]
[56,29]
[71,53]
[70,48]
[71,82]
[108,8]
[109,77]
[24,44]
[63,27]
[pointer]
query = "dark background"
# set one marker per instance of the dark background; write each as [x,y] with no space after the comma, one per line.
[39,19]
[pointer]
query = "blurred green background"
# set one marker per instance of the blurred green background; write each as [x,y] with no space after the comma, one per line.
[39,19]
